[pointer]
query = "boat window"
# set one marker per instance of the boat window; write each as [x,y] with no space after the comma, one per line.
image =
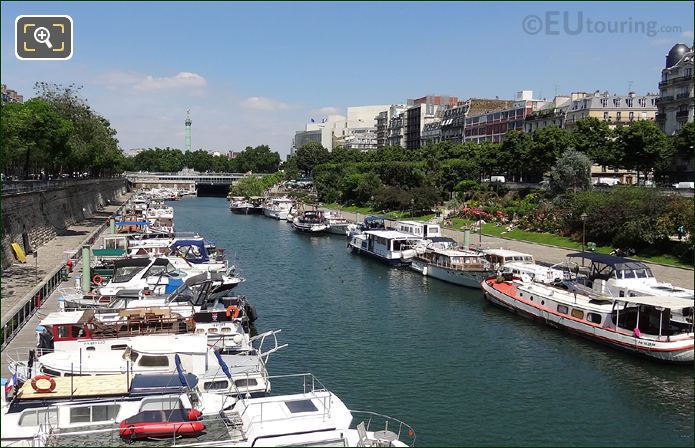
[593,317]
[506,259]
[296,406]
[80,414]
[216,385]
[579,314]
[649,273]
[91,349]
[161,404]
[36,417]
[154,361]
[125,273]
[628,274]
[641,273]
[528,259]
[64,331]
[102,413]
[562,309]
[155,270]
[119,347]
[245,382]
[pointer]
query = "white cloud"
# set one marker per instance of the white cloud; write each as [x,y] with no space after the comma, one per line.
[329,110]
[141,82]
[688,34]
[262,103]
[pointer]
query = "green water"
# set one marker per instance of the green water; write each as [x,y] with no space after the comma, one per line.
[435,355]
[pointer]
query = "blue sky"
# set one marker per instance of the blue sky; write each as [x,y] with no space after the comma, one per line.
[253,73]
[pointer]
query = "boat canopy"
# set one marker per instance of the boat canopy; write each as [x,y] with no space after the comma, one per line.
[162,383]
[441,239]
[192,250]
[618,263]
[127,262]
[670,302]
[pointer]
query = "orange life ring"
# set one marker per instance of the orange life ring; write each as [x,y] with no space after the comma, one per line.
[43,390]
[236,311]
[98,280]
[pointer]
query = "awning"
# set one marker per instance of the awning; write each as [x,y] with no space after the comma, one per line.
[673,303]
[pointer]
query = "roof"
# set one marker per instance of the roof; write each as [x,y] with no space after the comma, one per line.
[108,252]
[660,301]
[79,386]
[62,317]
[392,234]
[456,253]
[618,262]
[505,252]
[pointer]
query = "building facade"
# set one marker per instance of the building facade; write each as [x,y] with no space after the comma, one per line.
[492,126]
[675,103]
[551,114]
[431,133]
[11,96]
[616,110]
[383,121]
[454,118]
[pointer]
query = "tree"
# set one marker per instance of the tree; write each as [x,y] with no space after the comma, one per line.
[594,138]
[247,186]
[548,144]
[513,153]
[571,171]
[311,155]
[645,146]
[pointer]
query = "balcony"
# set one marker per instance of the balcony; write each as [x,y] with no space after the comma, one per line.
[680,96]
[682,114]
[676,80]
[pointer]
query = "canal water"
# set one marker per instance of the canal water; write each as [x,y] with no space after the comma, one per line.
[439,357]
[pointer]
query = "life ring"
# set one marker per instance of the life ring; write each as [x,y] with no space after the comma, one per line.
[43,390]
[98,280]
[229,311]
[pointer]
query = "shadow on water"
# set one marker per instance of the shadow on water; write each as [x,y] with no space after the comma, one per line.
[438,356]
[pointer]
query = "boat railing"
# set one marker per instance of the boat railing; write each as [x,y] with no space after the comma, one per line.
[379,422]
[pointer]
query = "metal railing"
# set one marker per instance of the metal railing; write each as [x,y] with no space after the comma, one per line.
[28,186]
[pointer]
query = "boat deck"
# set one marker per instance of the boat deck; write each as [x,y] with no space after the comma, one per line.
[79,386]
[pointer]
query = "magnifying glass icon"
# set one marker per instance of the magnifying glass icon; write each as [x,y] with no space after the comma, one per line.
[42,36]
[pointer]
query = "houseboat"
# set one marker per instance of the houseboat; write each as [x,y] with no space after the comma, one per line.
[389,246]
[278,208]
[460,267]
[310,221]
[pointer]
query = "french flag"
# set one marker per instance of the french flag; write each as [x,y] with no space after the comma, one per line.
[10,384]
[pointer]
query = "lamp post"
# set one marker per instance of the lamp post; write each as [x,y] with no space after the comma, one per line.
[412,207]
[583,216]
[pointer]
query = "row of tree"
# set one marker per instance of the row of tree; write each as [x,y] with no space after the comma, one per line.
[57,133]
[257,160]
[353,176]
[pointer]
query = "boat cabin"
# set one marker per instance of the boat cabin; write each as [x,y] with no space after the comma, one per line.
[455,259]
[498,257]
[420,229]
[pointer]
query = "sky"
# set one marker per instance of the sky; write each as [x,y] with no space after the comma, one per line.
[254,73]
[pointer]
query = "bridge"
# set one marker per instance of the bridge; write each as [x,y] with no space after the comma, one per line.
[186,180]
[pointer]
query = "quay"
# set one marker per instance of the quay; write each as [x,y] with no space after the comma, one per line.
[31,290]
[545,254]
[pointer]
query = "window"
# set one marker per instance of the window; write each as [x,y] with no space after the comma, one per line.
[605,116]
[102,413]
[631,116]
[604,102]
[579,314]
[629,102]
[562,309]
[617,115]
[64,331]
[36,417]
[154,361]
[245,382]
[119,347]
[216,385]
[80,414]
[594,318]
[300,406]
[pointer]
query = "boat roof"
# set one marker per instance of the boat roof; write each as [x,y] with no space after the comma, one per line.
[67,317]
[611,260]
[505,252]
[659,301]
[392,234]
[441,239]
[79,386]
[133,262]
[163,343]
[418,223]
[456,252]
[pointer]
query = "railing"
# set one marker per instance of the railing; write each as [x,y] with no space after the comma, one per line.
[28,186]
[405,433]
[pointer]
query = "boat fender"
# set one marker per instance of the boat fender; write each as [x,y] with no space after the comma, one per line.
[231,308]
[43,390]
[424,271]
[194,414]
[251,312]
[98,280]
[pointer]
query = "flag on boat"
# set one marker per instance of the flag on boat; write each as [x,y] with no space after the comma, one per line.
[10,384]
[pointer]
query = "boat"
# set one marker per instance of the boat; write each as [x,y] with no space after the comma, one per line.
[338,225]
[278,208]
[310,221]
[625,277]
[241,205]
[47,406]
[441,259]
[655,327]
[389,246]
[426,230]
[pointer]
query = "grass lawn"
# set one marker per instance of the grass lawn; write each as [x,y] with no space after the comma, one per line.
[368,211]
[559,241]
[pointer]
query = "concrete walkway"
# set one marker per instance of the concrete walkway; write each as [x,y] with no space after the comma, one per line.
[19,279]
[550,254]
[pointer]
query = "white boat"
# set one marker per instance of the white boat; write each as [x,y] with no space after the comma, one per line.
[453,265]
[338,225]
[389,246]
[499,257]
[278,208]
[96,404]
[425,230]
[241,205]
[660,328]
[314,416]
[310,221]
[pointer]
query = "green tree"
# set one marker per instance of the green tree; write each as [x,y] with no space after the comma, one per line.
[548,144]
[311,155]
[513,154]
[594,138]
[571,171]
[646,147]
[248,186]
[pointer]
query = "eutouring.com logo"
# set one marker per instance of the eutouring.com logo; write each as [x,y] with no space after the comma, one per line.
[554,23]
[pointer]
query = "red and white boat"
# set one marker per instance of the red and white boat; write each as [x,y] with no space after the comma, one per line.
[657,327]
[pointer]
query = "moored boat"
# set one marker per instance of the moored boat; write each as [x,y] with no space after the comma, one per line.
[453,265]
[310,221]
[389,246]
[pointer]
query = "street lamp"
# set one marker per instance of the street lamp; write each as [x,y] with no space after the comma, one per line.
[412,207]
[583,216]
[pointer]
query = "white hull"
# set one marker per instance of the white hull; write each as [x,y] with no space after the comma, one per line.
[678,351]
[470,279]
[341,229]
[275,214]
